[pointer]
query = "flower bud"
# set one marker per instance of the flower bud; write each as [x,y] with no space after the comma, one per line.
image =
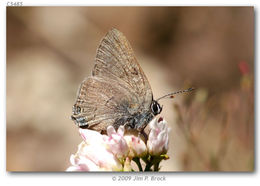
[136,145]
[158,137]
[116,143]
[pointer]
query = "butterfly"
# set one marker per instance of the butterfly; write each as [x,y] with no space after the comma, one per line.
[118,92]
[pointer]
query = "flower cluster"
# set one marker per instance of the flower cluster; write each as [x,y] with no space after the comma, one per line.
[117,150]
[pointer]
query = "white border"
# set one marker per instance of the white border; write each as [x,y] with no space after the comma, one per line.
[94,178]
[134,3]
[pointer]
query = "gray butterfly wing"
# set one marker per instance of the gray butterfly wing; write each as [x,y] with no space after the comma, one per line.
[117,89]
[115,60]
[101,102]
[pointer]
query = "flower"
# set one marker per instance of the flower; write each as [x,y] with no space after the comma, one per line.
[93,155]
[81,163]
[137,146]
[158,140]
[115,142]
[243,68]
[116,150]
[91,136]
[99,154]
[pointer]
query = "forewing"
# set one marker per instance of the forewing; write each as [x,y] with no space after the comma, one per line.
[100,102]
[115,60]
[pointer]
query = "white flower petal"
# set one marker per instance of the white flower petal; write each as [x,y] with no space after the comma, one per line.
[87,164]
[116,143]
[91,136]
[153,123]
[137,146]
[158,137]
[100,156]
[110,130]
[72,159]
[74,168]
[121,130]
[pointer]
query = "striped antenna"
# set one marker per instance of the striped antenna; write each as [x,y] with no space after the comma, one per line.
[171,95]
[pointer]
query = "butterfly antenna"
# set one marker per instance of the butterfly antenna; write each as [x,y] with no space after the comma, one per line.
[171,95]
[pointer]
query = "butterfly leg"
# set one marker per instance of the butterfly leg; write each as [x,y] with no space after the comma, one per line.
[142,133]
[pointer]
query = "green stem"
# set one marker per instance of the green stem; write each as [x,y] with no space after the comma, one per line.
[148,167]
[138,163]
[149,164]
[156,166]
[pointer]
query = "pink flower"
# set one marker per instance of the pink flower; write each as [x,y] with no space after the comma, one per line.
[243,67]
[81,163]
[91,136]
[93,155]
[100,156]
[116,151]
[136,145]
[158,139]
[115,142]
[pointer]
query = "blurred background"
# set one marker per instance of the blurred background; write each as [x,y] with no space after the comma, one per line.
[50,50]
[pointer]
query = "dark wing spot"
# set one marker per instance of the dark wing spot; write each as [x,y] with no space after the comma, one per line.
[80,121]
[76,110]
[135,72]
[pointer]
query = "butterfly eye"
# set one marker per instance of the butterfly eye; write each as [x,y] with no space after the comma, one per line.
[156,108]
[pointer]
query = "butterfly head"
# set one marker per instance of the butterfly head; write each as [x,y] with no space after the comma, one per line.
[156,108]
